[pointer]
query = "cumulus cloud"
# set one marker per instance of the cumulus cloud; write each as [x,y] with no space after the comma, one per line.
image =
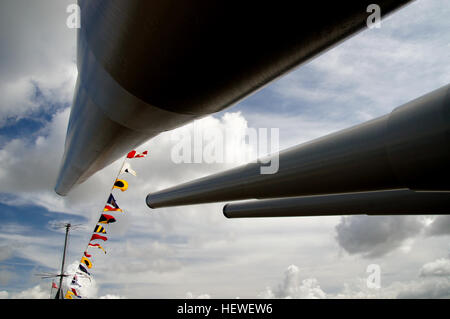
[428,286]
[292,287]
[437,268]
[375,236]
[36,292]
[34,172]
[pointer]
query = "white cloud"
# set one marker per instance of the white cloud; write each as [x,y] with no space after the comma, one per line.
[291,287]
[358,289]
[439,268]
[29,167]
[36,292]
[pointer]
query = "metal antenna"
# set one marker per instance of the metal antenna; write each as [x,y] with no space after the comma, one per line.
[59,293]
[62,274]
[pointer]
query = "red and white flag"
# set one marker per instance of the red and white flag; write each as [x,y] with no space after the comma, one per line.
[134,154]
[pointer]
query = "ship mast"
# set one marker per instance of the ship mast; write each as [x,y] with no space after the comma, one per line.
[62,274]
[59,293]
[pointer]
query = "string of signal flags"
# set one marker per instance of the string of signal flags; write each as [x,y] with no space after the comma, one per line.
[98,237]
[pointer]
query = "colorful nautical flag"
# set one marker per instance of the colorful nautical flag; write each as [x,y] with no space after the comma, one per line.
[95,236]
[134,154]
[126,168]
[75,281]
[54,285]
[100,229]
[121,184]
[83,269]
[87,262]
[111,205]
[109,208]
[75,292]
[69,295]
[106,219]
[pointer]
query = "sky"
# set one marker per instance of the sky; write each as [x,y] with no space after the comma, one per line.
[194,251]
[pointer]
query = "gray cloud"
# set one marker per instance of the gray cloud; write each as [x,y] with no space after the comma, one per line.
[430,289]
[375,236]
[439,226]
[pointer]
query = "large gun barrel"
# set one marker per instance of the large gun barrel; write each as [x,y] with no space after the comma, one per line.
[148,66]
[391,202]
[406,149]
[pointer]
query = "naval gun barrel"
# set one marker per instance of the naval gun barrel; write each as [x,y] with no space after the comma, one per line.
[390,202]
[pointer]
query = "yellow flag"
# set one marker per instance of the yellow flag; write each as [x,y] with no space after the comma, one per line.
[69,295]
[121,184]
[87,262]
